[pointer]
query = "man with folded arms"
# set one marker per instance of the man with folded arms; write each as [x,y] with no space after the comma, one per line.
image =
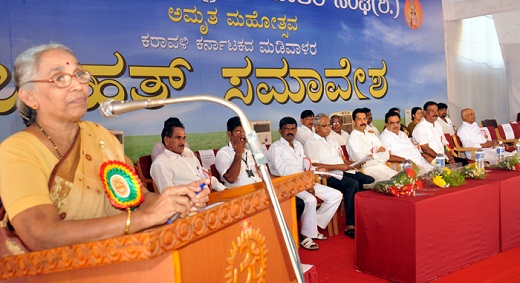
[286,157]
[327,154]
[363,143]
[399,145]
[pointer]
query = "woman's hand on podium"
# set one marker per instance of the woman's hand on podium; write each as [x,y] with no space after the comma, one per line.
[177,199]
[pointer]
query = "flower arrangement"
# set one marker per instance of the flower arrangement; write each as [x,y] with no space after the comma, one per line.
[444,177]
[510,163]
[404,183]
[472,171]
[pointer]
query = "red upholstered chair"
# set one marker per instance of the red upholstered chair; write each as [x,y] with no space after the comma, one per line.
[344,148]
[213,169]
[143,171]
[509,141]
[457,151]
[458,145]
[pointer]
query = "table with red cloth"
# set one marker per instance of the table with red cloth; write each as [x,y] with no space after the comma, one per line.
[509,209]
[417,239]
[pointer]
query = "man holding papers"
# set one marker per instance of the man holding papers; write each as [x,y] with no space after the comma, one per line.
[363,143]
[286,157]
[327,154]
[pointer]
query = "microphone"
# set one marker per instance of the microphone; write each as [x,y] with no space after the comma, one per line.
[111,108]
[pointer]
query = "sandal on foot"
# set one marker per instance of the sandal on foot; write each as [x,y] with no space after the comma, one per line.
[351,233]
[309,244]
[320,237]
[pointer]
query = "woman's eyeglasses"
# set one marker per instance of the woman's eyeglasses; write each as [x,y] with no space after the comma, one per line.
[64,80]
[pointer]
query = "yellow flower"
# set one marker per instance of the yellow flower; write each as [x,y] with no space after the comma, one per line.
[472,166]
[447,170]
[439,181]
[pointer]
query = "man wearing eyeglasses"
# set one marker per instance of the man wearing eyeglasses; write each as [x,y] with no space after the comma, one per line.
[306,130]
[235,162]
[365,144]
[326,153]
[337,133]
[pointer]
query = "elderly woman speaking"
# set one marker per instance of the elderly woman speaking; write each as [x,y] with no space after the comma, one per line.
[50,181]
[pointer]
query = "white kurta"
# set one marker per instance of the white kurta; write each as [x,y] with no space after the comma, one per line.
[431,134]
[401,145]
[172,169]
[224,159]
[284,160]
[303,134]
[371,127]
[325,151]
[447,126]
[471,136]
[338,138]
[361,144]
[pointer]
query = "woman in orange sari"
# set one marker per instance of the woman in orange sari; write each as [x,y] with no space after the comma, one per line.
[49,172]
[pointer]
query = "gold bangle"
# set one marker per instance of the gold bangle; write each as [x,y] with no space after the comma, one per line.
[128,221]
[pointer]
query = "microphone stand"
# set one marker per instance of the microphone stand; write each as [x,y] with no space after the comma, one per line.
[258,155]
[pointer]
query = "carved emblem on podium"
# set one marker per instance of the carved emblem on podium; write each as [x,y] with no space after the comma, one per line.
[247,262]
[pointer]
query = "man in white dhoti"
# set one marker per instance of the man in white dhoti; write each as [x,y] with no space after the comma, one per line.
[362,143]
[286,157]
[399,144]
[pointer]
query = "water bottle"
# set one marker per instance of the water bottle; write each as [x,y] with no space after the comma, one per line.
[479,158]
[518,146]
[500,152]
[440,160]
[406,164]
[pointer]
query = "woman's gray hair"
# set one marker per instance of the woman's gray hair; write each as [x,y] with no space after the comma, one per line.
[25,69]
[318,117]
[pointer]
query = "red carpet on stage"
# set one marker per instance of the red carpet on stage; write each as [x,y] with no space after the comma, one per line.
[334,262]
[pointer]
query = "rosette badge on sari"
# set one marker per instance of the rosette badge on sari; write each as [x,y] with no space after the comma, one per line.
[121,184]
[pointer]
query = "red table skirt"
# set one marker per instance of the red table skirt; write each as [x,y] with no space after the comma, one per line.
[509,208]
[417,239]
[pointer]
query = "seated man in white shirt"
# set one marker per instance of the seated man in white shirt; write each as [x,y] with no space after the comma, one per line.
[470,135]
[428,134]
[306,130]
[370,127]
[399,144]
[177,164]
[327,154]
[286,157]
[363,143]
[158,147]
[445,121]
[235,162]
[337,132]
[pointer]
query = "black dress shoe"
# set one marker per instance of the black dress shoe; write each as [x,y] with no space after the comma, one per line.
[350,232]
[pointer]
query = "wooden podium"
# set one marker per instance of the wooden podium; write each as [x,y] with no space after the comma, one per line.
[236,241]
